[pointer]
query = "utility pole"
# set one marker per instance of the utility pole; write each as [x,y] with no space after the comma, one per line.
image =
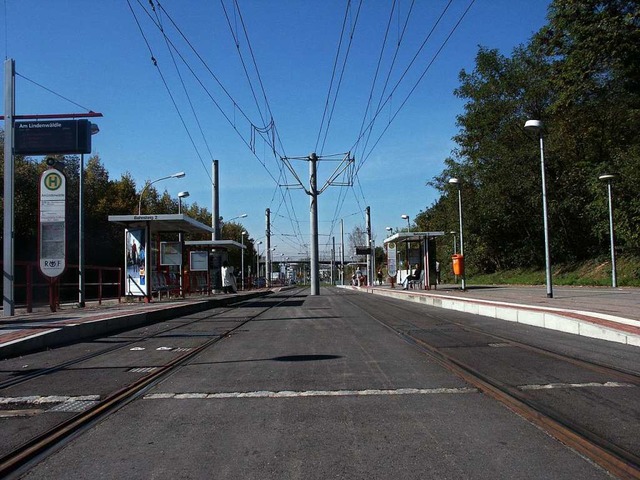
[345,165]
[369,267]
[216,279]
[313,217]
[215,203]
[8,302]
[342,251]
[267,257]
[333,260]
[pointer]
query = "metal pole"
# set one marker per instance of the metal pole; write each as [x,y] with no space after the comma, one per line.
[547,254]
[215,203]
[81,279]
[342,250]
[614,279]
[369,269]
[313,214]
[463,277]
[8,302]
[257,261]
[333,258]
[267,252]
[242,263]
[181,241]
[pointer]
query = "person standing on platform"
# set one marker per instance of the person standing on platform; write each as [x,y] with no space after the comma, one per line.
[228,279]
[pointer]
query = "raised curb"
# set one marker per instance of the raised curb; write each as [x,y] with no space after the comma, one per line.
[587,324]
[63,332]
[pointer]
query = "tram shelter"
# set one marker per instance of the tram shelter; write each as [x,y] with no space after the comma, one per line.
[143,234]
[217,252]
[425,255]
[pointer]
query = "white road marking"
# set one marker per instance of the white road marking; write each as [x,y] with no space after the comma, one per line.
[39,399]
[551,386]
[310,393]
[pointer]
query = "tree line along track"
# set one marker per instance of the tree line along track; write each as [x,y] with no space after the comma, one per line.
[614,458]
[34,450]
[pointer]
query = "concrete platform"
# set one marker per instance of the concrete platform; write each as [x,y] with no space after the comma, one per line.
[604,313]
[28,332]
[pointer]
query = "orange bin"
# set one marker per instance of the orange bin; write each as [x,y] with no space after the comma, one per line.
[458,264]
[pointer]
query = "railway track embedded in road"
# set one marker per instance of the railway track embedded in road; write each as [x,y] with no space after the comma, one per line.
[614,458]
[29,453]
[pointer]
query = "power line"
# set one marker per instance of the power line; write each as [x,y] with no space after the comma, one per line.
[55,93]
[344,65]
[433,59]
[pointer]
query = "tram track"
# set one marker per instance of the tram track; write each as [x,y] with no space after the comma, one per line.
[18,461]
[94,355]
[616,459]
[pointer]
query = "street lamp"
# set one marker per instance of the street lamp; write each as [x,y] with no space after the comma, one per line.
[389,231]
[406,217]
[258,258]
[81,278]
[456,182]
[244,215]
[536,126]
[242,261]
[608,178]
[406,245]
[181,195]
[455,248]
[148,184]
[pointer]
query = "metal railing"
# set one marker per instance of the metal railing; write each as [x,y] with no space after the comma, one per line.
[33,289]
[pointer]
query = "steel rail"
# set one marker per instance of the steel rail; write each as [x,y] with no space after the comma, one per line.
[624,374]
[36,449]
[23,379]
[613,458]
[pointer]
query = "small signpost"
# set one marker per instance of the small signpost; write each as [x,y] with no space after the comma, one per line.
[52,231]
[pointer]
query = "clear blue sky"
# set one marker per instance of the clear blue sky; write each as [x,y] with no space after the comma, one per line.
[93,53]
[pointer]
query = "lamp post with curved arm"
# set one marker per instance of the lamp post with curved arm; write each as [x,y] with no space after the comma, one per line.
[148,184]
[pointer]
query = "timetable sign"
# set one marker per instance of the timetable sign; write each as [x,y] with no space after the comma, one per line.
[63,137]
[52,228]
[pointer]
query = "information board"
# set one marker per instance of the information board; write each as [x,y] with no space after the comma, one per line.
[170,253]
[52,137]
[199,261]
[392,266]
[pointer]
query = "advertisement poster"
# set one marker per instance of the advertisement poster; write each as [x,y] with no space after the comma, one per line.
[392,267]
[136,282]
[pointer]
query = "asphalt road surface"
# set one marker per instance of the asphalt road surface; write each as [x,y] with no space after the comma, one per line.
[328,387]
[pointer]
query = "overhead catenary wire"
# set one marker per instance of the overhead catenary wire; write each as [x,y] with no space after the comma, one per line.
[262,131]
[344,66]
[54,93]
[235,104]
[381,103]
[186,92]
[415,86]
[166,85]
